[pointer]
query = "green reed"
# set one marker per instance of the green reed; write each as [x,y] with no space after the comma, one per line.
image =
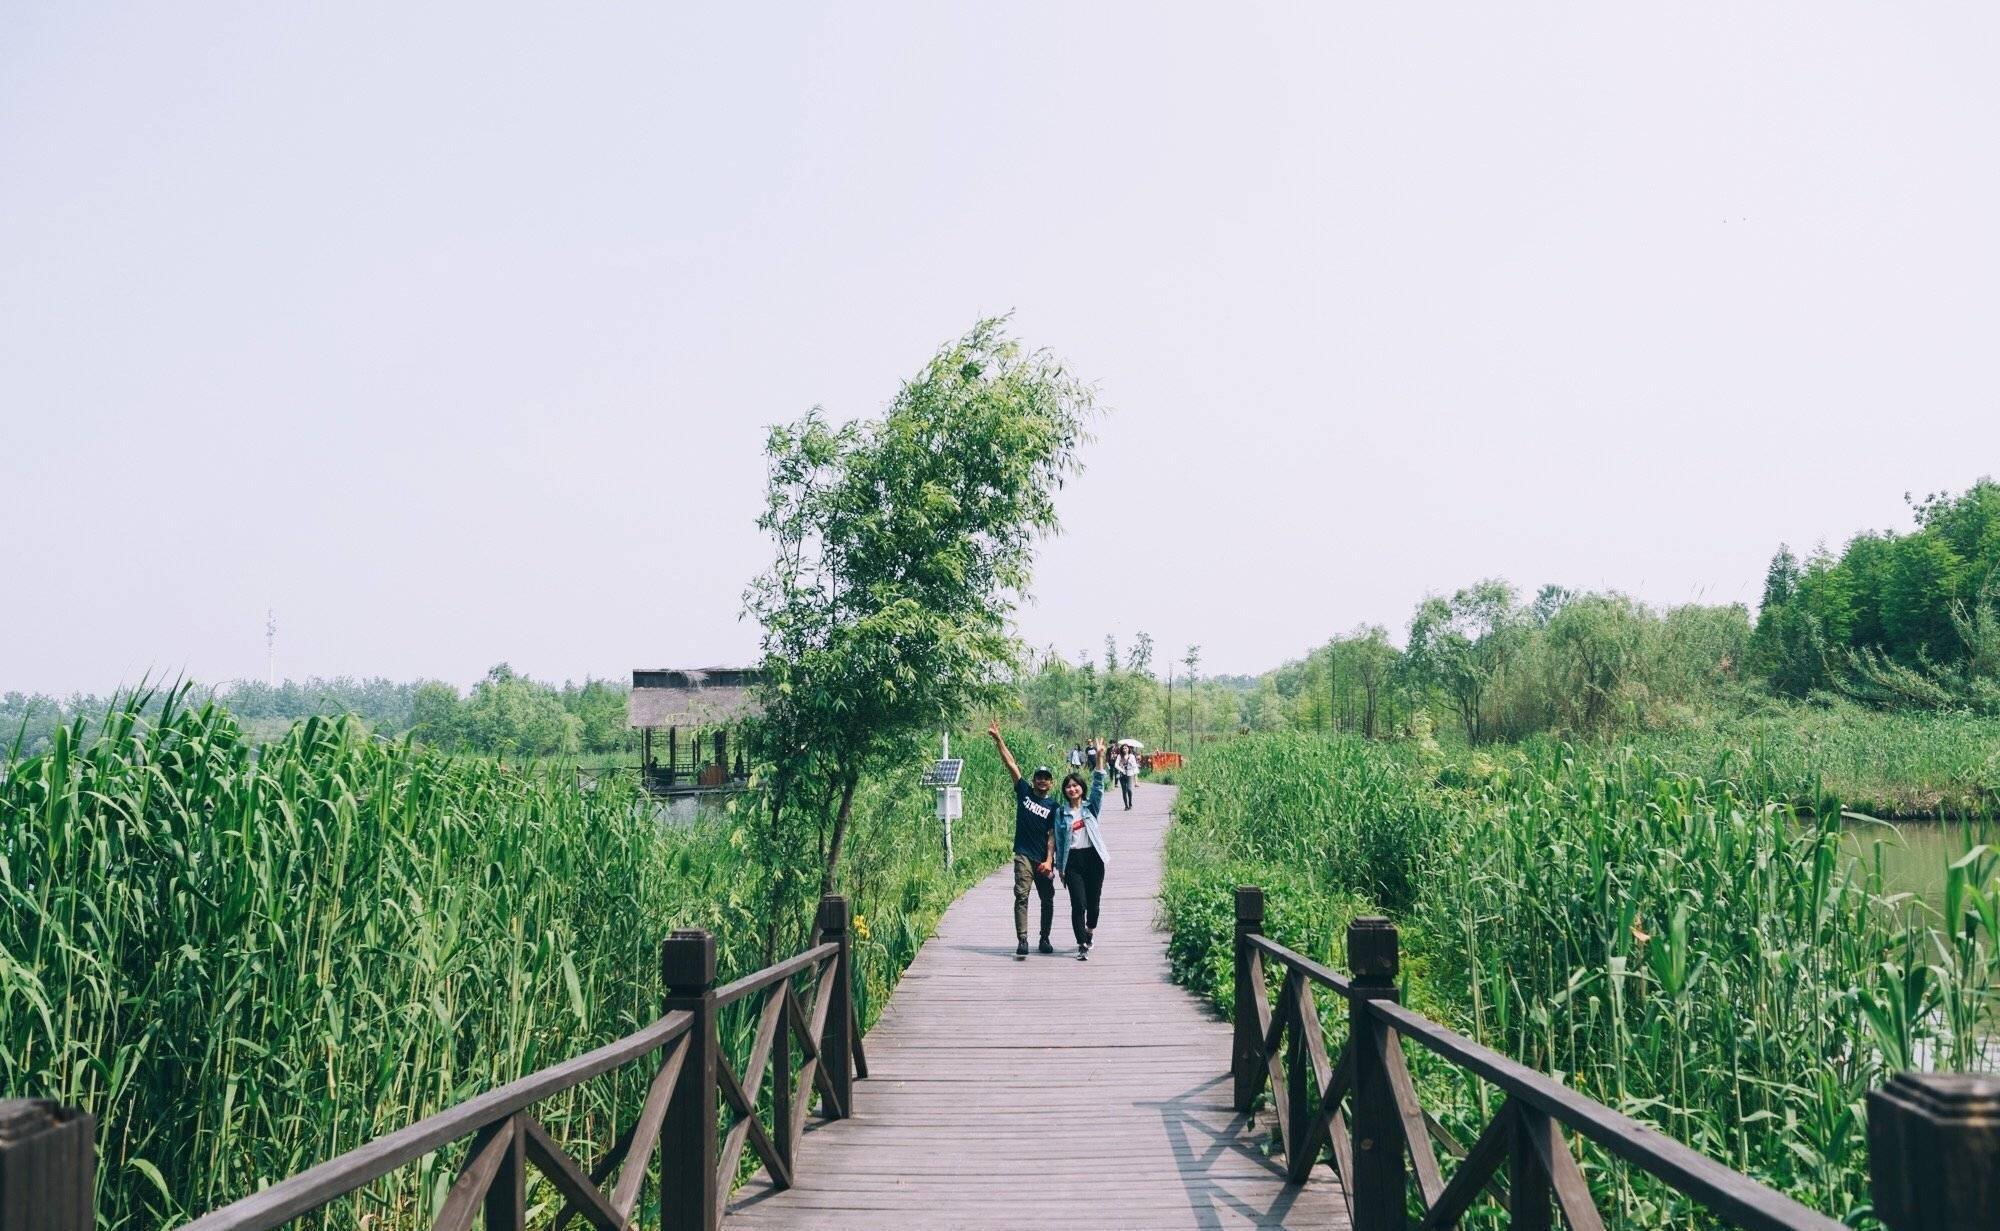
[245,959]
[1688,947]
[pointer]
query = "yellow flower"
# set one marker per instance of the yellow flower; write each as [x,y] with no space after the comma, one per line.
[861,926]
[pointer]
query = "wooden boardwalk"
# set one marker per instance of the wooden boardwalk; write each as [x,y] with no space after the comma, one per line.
[1046,1092]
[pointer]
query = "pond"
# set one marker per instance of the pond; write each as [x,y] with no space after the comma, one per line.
[1915,854]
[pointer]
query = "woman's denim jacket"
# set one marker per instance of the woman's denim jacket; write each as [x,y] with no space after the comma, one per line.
[1065,816]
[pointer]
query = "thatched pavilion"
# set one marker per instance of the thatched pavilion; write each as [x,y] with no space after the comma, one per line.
[695,708]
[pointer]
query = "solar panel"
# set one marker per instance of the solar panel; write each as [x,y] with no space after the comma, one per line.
[944,773]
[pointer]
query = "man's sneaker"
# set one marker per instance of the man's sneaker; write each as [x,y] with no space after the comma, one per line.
[1046,947]
[1083,952]
[1021,950]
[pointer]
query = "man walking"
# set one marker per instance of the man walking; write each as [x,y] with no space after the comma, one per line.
[1034,845]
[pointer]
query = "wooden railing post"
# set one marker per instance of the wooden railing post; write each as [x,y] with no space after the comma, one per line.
[837,1049]
[1378,1190]
[1934,1151]
[507,1196]
[690,1190]
[1530,1188]
[1246,1054]
[48,1167]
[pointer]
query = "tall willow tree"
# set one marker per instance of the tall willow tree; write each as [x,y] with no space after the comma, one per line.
[903,548]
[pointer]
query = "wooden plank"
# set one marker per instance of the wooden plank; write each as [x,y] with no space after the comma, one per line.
[1299,1060]
[1323,975]
[1572,1193]
[646,1130]
[742,1095]
[637,1141]
[1475,1173]
[813,1027]
[729,993]
[1430,1181]
[468,1191]
[555,1163]
[1330,1127]
[1274,1064]
[747,1129]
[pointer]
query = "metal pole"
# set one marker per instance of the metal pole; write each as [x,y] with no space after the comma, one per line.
[943,807]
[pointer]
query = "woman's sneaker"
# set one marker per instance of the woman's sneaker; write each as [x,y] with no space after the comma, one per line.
[1083,952]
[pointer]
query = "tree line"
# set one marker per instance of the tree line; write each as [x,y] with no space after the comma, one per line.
[1128,696]
[1483,659]
[504,714]
[1897,620]
[1907,621]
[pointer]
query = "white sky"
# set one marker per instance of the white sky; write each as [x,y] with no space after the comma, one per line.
[451,334]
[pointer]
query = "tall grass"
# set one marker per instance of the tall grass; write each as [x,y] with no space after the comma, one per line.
[245,959]
[1902,765]
[1679,946]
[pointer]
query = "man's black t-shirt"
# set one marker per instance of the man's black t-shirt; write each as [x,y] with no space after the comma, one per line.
[1031,821]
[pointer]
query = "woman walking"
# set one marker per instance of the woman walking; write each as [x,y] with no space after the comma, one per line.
[1080,853]
[1128,769]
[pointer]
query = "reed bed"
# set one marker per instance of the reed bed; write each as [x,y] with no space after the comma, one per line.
[245,958]
[1701,954]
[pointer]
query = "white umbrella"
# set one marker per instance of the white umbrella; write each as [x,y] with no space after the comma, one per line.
[1129,743]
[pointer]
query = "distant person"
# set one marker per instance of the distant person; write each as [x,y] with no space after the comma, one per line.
[1080,852]
[1034,845]
[1076,756]
[1090,755]
[1128,769]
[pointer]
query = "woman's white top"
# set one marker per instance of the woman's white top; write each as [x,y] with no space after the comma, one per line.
[1079,835]
[1128,765]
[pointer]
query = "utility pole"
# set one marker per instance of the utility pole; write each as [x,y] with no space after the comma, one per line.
[1192,662]
[271,647]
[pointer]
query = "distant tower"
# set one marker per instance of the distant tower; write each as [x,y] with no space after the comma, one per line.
[271,647]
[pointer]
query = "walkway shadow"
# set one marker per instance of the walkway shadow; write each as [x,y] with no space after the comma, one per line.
[1006,951]
[1202,1133]
[758,1188]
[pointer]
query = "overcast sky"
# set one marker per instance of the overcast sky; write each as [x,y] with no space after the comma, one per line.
[452,334]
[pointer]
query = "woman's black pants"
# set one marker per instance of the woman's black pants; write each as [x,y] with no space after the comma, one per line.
[1125,785]
[1086,888]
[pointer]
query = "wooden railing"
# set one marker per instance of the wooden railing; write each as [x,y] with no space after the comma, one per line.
[1934,1139]
[47,1159]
